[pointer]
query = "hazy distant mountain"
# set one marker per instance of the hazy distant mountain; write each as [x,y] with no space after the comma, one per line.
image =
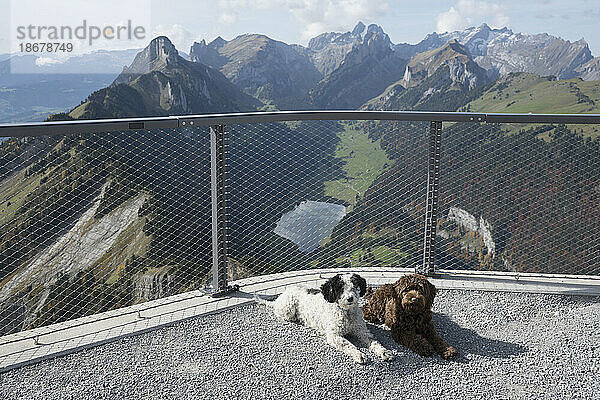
[503,51]
[267,69]
[97,62]
[31,88]
[161,82]
[328,50]
[363,72]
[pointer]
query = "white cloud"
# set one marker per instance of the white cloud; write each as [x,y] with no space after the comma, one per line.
[316,16]
[227,18]
[179,36]
[43,61]
[467,13]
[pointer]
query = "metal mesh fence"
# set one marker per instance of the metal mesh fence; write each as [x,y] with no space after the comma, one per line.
[521,198]
[325,194]
[94,222]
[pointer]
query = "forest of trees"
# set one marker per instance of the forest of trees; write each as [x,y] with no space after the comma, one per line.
[542,197]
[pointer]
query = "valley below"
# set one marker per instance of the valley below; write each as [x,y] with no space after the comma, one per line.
[94,222]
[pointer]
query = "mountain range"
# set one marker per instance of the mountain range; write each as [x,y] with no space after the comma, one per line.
[161,82]
[133,208]
[32,88]
[336,70]
[267,69]
[502,51]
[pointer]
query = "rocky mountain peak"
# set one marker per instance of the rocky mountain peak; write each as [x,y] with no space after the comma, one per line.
[160,51]
[158,55]
[484,27]
[374,29]
[217,43]
[358,29]
[455,45]
[325,41]
[376,43]
[208,54]
[265,68]
[452,49]
[453,55]
[501,51]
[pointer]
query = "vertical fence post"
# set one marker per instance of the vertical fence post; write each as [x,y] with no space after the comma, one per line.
[219,208]
[433,181]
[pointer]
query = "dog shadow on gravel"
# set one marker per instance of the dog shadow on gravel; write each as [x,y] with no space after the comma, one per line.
[467,341]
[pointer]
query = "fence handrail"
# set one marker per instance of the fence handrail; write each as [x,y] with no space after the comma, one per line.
[178,121]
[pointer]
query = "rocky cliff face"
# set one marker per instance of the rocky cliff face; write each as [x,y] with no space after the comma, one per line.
[590,71]
[161,82]
[154,283]
[160,54]
[502,51]
[462,69]
[472,235]
[98,245]
[442,79]
[328,50]
[208,54]
[267,69]
[364,72]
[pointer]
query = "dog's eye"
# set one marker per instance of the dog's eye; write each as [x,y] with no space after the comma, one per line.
[409,288]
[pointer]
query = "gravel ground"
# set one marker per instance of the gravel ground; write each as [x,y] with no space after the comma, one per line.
[513,346]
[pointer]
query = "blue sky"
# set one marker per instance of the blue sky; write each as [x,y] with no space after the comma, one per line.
[295,21]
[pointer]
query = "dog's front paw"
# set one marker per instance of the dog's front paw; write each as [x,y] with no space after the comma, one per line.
[386,355]
[449,353]
[424,349]
[359,357]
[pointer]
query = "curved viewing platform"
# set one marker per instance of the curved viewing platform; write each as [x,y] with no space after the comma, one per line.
[514,345]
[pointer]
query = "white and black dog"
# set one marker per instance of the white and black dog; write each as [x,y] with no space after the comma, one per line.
[333,311]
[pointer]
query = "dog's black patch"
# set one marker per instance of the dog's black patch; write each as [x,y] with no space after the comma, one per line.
[313,291]
[359,282]
[333,289]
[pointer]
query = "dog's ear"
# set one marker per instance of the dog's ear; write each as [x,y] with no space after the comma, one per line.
[430,292]
[359,282]
[332,288]
[400,285]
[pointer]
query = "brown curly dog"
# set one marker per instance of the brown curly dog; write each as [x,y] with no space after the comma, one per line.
[405,307]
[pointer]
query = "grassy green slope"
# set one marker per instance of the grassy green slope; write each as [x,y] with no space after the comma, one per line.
[13,194]
[530,93]
[364,161]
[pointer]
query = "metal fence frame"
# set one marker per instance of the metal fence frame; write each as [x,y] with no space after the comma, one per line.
[218,123]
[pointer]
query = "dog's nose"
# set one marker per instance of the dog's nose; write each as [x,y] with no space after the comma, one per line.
[414,300]
[350,299]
